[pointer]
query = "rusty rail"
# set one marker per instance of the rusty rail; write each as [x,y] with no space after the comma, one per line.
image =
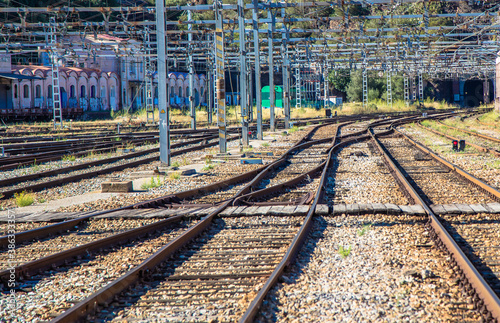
[106,294]
[297,242]
[27,269]
[483,290]
[70,224]
[478,147]
[493,191]
[472,132]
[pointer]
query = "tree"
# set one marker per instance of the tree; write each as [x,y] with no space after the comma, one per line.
[340,79]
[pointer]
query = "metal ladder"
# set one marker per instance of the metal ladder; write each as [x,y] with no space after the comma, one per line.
[56,90]
[389,88]
[407,92]
[365,88]
[420,88]
[298,94]
[149,70]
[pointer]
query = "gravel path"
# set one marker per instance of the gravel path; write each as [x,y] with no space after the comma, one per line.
[392,274]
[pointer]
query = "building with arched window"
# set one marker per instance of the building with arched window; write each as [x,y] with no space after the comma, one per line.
[99,83]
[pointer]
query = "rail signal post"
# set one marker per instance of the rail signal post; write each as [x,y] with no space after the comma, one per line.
[161,42]
[220,84]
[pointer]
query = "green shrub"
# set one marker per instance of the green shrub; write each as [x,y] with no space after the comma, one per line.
[208,167]
[265,144]
[68,158]
[24,199]
[152,183]
[174,176]
[344,252]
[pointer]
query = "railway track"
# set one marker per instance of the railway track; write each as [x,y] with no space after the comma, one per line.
[480,142]
[427,182]
[216,267]
[27,273]
[42,180]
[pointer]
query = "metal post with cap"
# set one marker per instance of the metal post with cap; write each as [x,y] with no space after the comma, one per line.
[162,83]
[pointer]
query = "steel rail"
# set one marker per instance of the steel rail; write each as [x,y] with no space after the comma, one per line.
[478,147]
[483,290]
[73,178]
[142,271]
[471,132]
[70,224]
[24,178]
[297,179]
[27,269]
[493,191]
[298,240]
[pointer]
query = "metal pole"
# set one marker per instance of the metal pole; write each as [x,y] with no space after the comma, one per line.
[258,101]
[286,71]
[162,83]
[271,69]
[243,75]
[191,74]
[210,93]
[325,84]
[220,85]
[365,87]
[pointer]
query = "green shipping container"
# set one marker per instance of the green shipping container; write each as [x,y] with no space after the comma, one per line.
[278,96]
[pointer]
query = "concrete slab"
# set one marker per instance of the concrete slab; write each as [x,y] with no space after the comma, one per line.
[451,209]
[228,211]
[438,209]
[406,209]
[339,209]
[365,208]
[352,209]
[263,209]
[478,208]
[52,206]
[251,210]
[303,209]
[321,209]
[116,187]
[239,210]
[392,208]
[379,208]
[288,210]
[465,208]
[418,209]
[494,207]
[275,209]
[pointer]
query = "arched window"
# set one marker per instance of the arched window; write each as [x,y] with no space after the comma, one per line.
[50,91]
[180,91]
[187,92]
[92,91]
[172,92]
[132,68]
[72,91]
[26,91]
[83,91]
[15,91]
[156,92]
[202,92]
[112,91]
[103,92]
[38,91]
